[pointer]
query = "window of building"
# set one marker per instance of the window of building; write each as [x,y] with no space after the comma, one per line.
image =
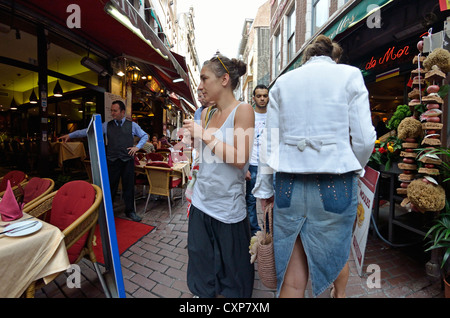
[342,2]
[320,13]
[290,29]
[277,54]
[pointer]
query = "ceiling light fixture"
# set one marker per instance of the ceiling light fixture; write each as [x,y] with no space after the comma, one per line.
[57,91]
[33,97]
[13,105]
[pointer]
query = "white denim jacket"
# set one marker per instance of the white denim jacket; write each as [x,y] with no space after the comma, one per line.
[318,121]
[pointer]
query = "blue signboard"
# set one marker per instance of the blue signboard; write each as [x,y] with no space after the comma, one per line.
[113,279]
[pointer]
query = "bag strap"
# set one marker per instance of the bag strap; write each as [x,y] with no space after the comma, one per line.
[268,214]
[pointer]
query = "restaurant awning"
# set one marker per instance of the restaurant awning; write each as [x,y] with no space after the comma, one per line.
[117,28]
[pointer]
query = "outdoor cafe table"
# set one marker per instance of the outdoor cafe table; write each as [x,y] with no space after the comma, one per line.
[25,259]
[68,150]
[181,167]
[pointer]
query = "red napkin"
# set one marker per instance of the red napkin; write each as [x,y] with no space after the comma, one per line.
[9,208]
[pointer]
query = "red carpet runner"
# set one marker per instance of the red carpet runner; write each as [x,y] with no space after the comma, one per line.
[128,233]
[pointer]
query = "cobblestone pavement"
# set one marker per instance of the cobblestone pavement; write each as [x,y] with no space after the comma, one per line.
[155,266]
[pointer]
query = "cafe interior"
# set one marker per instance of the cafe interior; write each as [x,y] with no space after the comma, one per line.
[50,193]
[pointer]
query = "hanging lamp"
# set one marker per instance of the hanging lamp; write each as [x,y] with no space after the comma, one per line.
[57,91]
[13,105]
[33,97]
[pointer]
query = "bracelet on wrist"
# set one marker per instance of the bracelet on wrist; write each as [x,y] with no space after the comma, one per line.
[214,143]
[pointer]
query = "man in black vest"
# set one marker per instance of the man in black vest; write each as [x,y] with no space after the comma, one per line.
[120,153]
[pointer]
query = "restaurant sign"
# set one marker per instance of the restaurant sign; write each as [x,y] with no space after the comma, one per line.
[384,60]
[360,12]
[391,54]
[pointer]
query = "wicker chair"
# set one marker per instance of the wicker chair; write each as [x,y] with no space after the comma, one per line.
[79,234]
[33,190]
[161,182]
[15,177]
[164,151]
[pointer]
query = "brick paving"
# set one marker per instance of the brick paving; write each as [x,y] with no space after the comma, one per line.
[155,266]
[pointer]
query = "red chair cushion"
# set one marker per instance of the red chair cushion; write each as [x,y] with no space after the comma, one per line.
[140,180]
[159,164]
[34,188]
[154,156]
[175,183]
[15,177]
[71,201]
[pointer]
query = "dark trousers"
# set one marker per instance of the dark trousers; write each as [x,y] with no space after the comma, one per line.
[251,200]
[124,170]
[219,261]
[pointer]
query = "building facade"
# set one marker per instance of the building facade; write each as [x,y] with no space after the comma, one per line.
[294,23]
[254,51]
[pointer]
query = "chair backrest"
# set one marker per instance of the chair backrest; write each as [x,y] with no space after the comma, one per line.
[163,150]
[15,177]
[153,156]
[140,155]
[159,164]
[71,201]
[159,179]
[36,188]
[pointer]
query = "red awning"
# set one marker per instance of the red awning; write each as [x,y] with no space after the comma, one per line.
[108,33]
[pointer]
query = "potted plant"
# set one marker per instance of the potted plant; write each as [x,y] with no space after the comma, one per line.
[387,152]
[439,233]
[440,239]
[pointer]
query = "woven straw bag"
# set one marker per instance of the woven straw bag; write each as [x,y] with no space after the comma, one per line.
[265,254]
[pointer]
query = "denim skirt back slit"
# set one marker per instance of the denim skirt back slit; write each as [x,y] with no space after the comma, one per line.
[321,209]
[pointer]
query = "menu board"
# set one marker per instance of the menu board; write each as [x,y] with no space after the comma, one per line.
[366,192]
[111,279]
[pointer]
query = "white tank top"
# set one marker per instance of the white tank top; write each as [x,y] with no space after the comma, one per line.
[219,190]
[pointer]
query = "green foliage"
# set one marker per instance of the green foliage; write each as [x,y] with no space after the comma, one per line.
[443,91]
[401,112]
[440,234]
[444,166]
[440,231]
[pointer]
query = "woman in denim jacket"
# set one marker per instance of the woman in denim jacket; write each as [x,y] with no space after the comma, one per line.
[318,138]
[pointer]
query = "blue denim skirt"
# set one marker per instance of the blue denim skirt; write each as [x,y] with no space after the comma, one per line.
[321,208]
